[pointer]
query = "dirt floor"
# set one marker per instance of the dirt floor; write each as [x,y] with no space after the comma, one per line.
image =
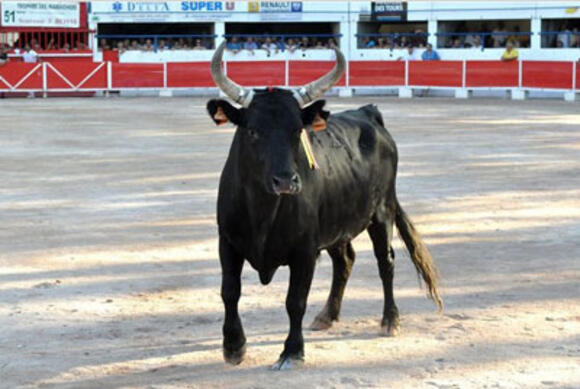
[109,276]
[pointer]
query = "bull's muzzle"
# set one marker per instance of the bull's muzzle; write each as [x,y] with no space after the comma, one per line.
[288,184]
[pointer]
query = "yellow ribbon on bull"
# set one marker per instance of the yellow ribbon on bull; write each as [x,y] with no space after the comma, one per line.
[305,140]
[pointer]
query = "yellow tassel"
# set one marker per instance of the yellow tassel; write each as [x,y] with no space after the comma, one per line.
[305,139]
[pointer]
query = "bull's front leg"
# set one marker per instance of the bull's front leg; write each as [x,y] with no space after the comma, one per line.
[301,272]
[234,345]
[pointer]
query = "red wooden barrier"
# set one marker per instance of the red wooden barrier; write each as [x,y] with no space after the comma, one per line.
[142,75]
[257,73]
[303,72]
[547,74]
[491,74]
[81,75]
[21,75]
[435,73]
[376,73]
[189,74]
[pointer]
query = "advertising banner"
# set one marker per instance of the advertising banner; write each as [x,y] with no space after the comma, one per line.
[40,14]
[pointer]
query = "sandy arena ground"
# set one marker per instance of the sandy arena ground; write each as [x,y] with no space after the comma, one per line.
[109,275]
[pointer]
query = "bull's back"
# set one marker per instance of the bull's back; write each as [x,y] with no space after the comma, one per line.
[358,159]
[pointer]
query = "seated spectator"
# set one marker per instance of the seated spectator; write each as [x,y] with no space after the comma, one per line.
[51,45]
[29,55]
[575,38]
[564,36]
[291,46]
[3,56]
[34,45]
[120,47]
[331,43]
[182,43]
[498,36]
[476,43]
[368,43]
[104,44]
[402,42]
[234,46]
[65,47]
[134,45]
[469,40]
[148,46]
[319,45]
[198,45]
[250,45]
[80,46]
[429,54]
[510,53]
[304,43]
[269,46]
[163,45]
[410,55]
[457,44]
[419,38]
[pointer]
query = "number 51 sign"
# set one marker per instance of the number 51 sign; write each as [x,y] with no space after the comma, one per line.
[40,14]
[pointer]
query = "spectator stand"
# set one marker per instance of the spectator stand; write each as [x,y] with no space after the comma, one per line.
[111,47]
[571,40]
[461,36]
[393,40]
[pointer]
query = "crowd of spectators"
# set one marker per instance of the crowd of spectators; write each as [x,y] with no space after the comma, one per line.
[493,35]
[270,44]
[50,45]
[148,44]
[565,38]
[393,40]
[274,45]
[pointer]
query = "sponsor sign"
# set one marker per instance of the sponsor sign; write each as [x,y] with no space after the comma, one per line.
[389,11]
[160,11]
[40,14]
[284,10]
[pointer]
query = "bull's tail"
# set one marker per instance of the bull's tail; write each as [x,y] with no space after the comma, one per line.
[420,254]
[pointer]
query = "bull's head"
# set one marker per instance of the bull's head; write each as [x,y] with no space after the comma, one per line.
[270,122]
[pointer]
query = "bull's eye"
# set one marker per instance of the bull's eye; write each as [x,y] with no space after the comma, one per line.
[253,134]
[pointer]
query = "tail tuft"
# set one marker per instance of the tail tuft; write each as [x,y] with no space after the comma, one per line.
[420,255]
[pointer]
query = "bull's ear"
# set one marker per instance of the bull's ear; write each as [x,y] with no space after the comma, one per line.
[314,115]
[222,112]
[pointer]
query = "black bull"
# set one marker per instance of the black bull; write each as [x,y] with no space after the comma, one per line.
[274,210]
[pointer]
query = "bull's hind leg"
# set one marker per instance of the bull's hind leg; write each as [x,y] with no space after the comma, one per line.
[381,234]
[342,260]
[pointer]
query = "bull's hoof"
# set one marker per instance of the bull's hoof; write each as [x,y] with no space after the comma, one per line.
[321,323]
[235,357]
[392,329]
[288,362]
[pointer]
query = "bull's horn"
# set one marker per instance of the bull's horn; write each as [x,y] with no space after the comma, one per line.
[236,92]
[316,88]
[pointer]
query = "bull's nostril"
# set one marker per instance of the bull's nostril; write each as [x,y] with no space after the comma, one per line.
[295,179]
[276,181]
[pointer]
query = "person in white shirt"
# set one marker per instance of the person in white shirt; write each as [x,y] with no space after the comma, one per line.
[29,55]
[269,46]
[410,55]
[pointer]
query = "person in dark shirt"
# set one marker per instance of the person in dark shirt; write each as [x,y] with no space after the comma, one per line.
[3,56]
